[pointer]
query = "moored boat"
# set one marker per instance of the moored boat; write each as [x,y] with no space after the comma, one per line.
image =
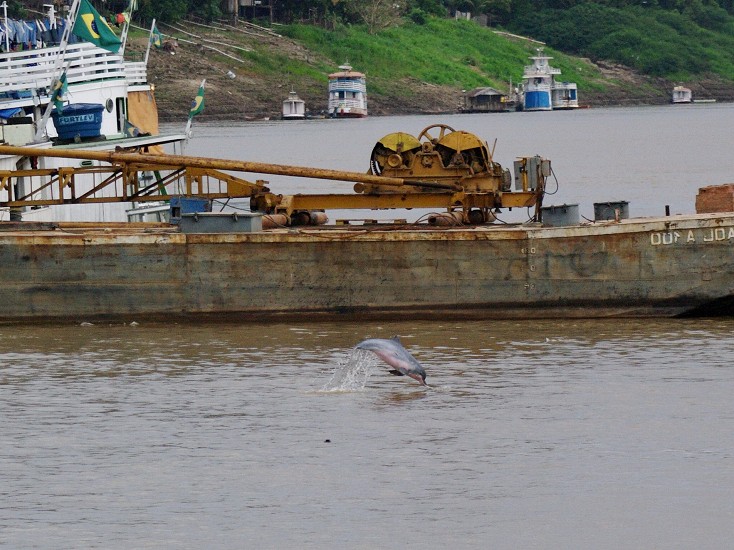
[69,93]
[541,90]
[281,260]
[656,267]
[564,95]
[681,94]
[294,108]
[347,93]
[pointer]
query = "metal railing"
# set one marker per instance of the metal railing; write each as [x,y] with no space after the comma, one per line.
[533,69]
[34,69]
[347,86]
[346,103]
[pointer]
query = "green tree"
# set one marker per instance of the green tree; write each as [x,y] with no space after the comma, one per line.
[16,9]
[208,9]
[709,16]
[430,7]
[379,14]
[499,10]
[168,11]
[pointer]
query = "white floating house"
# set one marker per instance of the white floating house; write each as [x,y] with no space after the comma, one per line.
[564,95]
[294,108]
[682,95]
[347,93]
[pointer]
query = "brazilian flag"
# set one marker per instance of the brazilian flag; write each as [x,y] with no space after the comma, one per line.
[92,27]
[59,93]
[197,106]
[156,37]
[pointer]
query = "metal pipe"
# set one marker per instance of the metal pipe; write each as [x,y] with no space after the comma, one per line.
[446,219]
[173,161]
[272,221]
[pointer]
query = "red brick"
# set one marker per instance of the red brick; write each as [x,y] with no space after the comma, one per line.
[715,198]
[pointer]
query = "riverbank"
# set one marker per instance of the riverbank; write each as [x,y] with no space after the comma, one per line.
[244,81]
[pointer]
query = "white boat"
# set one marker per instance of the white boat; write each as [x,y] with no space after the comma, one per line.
[347,93]
[564,95]
[294,108]
[681,94]
[123,111]
[541,91]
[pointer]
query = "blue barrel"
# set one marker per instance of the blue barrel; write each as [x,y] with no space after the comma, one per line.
[80,119]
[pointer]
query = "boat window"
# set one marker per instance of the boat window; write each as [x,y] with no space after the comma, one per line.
[121,116]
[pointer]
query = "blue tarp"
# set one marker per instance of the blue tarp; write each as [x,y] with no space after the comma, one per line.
[7,113]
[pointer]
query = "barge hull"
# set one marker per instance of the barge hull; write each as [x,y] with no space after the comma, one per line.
[635,268]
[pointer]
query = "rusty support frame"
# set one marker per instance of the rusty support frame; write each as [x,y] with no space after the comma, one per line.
[125,180]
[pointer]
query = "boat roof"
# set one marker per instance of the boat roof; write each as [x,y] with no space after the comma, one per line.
[350,74]
[483,91]
[346,71]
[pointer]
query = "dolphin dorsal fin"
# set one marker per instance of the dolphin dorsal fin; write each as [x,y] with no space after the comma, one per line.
[395,339]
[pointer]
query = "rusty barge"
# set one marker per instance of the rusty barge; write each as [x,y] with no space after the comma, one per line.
[281,261]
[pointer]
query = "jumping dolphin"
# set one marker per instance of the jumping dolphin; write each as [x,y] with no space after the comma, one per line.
[394,354]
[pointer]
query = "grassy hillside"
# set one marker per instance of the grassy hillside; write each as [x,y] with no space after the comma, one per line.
[459,54]
[410,69]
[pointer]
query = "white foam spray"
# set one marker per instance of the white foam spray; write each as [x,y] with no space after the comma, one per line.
[353,374]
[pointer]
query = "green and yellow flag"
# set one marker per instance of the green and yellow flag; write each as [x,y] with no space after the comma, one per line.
[92,27]
[197,106]
[156,37]
[59,93]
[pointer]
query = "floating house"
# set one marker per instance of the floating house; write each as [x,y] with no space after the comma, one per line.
[294,108]
[347,93]
[541,91]
[486,100]
[682,94]
[564,95]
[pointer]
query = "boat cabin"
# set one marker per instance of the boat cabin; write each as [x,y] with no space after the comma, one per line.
[682,94]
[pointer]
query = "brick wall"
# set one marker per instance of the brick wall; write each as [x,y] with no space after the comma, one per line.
[715,198]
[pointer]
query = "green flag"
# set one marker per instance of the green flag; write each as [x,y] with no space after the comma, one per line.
[156,38]
[59,93]
[197,106]
[92,27]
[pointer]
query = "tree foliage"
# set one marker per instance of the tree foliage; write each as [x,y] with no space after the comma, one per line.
[379,14]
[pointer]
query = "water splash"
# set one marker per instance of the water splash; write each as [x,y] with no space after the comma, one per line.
[353,374]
